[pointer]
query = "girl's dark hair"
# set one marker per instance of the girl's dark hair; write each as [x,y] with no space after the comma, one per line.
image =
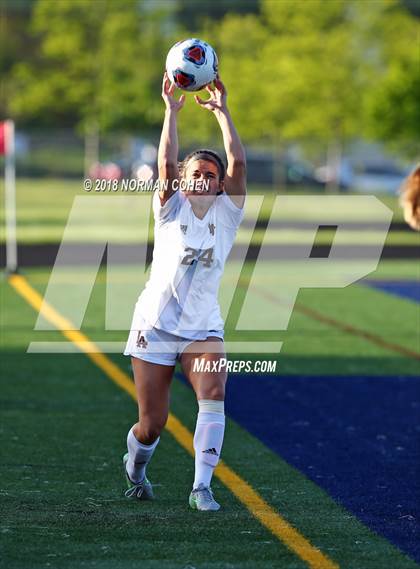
[204,154]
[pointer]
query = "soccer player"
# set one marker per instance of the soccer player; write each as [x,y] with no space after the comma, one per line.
[177,316]
[410,198]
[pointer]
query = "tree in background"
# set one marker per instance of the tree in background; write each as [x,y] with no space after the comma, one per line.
[98,68]
[15,44]
[295,72]
[190,14]
[392,102]
[314,72]
[58,85]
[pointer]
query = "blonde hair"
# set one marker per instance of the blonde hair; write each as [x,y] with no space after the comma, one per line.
[410,198]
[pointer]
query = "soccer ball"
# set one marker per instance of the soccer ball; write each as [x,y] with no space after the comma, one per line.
[191,64]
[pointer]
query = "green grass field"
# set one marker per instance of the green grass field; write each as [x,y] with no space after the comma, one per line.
[63,431]
[43,207]
[64,425]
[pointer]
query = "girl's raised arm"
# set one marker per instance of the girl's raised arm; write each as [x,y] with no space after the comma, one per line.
[235,180]
[168,146]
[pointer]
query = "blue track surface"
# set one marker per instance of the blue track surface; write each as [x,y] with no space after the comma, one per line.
[356,437]
[403,289]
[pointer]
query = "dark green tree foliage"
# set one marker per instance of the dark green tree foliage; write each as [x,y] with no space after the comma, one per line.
[316,70]
[392,102]
[394,106]
[295,70]
[190,13]
[59,86]
[413,6]
[15,43]
[99,62]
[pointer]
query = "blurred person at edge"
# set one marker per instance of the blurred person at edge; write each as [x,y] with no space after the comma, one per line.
[410,198]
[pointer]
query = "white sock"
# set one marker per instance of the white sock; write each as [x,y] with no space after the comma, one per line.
[139,456]
[208,439]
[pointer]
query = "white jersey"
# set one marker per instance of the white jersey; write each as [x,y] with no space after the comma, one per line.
[189,255]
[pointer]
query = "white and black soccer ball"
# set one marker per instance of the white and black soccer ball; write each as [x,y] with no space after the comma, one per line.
[191,64]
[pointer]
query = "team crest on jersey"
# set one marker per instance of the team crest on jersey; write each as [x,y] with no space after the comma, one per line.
[212,227]
[141,340]
[184,229]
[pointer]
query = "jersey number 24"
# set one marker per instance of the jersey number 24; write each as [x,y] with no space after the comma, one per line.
[206,256]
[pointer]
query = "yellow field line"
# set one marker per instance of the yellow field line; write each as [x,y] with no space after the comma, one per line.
[258,507]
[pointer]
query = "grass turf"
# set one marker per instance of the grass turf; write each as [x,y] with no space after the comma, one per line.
[64,424]
[63,433]
[43,207]
[309,344]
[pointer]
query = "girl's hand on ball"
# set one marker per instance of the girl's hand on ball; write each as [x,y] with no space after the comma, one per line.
[218,96]
[168,90]
[220,86]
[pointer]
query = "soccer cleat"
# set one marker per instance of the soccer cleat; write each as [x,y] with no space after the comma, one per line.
[141,490]
[201,498]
